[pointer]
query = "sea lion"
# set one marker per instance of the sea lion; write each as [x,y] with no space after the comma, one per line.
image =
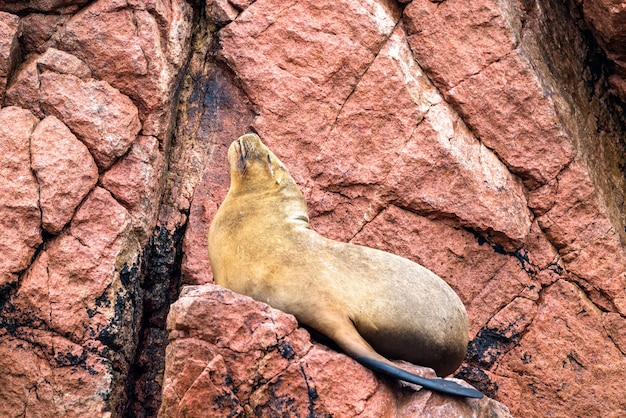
[365,300]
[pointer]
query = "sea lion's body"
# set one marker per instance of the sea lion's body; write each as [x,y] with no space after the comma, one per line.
[367,301]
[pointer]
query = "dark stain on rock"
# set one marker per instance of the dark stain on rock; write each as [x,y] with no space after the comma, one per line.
[479,379]
[488,345]
[286,350]
[160,283]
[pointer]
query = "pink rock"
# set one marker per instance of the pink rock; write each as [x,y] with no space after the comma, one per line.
[474,36]
[383,161]
[99,115]
[381,105]
[507,130]
[221,11]
[45,375]
[83,287]
[59,84]
[135,47]
[9,47]
[605,19]
[20,218]
[105,36]
[72,285]
[42,5]
[591,246]
[38,31]
[64,169]
[24,88]
[282,56]
[443,166]
[615,326]
[471,53]
[136,182]
[293,375]
[566,360]
[63,63]
[200,191]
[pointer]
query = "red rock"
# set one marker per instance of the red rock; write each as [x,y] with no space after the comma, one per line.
[45,375]
[99,115]
[9,47]
[38,31]
[474,35]
[64,169]
[136,182]
[117,53]
[442,163]
[566,362]
[42,5]
[590,245]
[395,101]
[282,55]
[365,146]
[20,218]
[488,79]
[221,11]
[59,84]
[293,375]
[366,113]
[78,268]
[136,47]
[63,63]
[383,158]
[229,115]
[605,19]
[23,91]
[615,326]
[81,294]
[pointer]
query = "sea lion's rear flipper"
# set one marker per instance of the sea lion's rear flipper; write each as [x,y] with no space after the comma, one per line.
[352,343]
[439,385]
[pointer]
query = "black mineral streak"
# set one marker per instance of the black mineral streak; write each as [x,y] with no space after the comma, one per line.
[210,104]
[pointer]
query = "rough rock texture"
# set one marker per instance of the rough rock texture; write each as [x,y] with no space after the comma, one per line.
[82,172]
[20,219]
[208,368]
[9,48]
[65,172]
[484,140]
[473,138]
[605,19]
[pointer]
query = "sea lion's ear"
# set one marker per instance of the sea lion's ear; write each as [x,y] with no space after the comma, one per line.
[270,165]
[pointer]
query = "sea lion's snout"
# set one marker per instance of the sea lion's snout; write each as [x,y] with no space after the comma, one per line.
[243,150]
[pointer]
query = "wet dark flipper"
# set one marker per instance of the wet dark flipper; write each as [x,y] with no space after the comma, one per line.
[438,385]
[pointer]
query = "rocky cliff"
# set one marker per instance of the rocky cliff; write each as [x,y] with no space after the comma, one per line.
[484,140]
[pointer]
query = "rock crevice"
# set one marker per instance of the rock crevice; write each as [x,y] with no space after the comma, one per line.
[483,140]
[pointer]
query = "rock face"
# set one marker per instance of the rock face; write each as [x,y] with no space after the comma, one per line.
[19,201]
[481,139]
[79,198]
[65,172]
[208,368]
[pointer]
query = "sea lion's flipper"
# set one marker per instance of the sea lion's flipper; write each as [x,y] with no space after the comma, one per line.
[352,343]
[439,385]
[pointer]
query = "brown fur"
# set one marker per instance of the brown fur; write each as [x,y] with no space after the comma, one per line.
[365,300]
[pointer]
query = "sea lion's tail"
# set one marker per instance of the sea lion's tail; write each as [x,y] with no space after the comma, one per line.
[439,385]
[344,333]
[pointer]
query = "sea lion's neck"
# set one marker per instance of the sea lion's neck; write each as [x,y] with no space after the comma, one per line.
[285,197]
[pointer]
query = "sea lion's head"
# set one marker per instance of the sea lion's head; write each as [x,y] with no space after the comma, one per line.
[252,163]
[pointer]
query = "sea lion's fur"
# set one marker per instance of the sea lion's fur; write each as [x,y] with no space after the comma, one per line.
[367,301]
